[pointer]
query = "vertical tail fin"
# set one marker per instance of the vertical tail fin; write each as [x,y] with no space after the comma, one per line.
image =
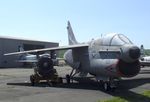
[71,37]
[21,56]
[20,48]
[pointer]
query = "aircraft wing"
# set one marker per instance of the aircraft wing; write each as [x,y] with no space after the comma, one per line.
[50,49]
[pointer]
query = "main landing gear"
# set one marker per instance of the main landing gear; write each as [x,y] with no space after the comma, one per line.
[108,85]
[69,78]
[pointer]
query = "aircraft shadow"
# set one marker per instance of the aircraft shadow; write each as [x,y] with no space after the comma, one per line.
[80,83]
[131,96]
[122,91]
[88,83]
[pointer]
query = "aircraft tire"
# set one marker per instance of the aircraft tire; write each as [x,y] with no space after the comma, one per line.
[60,80]
[53,83]
[68,79]
[32,80]
[106,86]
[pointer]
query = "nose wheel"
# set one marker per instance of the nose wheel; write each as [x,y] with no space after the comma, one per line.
[106,86]
[109,85]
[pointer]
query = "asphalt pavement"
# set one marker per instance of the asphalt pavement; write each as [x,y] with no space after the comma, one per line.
[15,87]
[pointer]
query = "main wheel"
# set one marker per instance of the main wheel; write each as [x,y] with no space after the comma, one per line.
[68,79]
[32,80]
[60,80]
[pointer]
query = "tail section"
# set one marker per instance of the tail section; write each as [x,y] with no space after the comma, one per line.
[20,49]
[21,56]
[71,37]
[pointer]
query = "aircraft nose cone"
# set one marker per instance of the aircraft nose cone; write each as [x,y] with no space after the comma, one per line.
[134,52]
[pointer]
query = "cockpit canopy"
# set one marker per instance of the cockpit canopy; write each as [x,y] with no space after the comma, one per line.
[115,40]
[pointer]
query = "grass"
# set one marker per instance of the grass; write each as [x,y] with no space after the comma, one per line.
[144,97]
[147,52]
[115,99]
[147,93]
[61,53]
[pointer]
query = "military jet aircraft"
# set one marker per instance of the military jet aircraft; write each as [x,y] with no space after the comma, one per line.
[32,59]
[107,58]
[144,60]
[26,58]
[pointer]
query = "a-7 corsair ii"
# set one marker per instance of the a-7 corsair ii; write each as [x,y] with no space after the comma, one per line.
[112,56]
[31,60]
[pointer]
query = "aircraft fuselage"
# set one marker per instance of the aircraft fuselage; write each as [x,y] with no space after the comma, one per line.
[102,58]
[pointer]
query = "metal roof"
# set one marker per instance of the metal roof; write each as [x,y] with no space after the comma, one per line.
[17,38]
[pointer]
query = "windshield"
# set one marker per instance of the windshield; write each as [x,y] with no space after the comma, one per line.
[119,39]
[115,40]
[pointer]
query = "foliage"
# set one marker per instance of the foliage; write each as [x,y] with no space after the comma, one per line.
[147,52]
[61,53]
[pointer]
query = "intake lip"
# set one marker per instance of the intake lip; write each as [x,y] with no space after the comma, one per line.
[134,52]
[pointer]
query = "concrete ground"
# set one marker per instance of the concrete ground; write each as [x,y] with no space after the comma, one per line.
[15,87]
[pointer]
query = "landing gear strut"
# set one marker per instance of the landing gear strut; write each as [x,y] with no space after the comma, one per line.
[109,85]
[106,86]
[70,77]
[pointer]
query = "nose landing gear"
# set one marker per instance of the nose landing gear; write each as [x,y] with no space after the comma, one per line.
[109,85]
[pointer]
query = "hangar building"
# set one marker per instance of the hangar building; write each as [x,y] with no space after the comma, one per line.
[9,44]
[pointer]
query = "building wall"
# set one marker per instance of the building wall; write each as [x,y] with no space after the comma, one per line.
[11,45]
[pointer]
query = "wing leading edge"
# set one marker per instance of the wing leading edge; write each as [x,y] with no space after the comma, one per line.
[50,49]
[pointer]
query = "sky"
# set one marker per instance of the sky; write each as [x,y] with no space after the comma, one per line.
[46,20]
